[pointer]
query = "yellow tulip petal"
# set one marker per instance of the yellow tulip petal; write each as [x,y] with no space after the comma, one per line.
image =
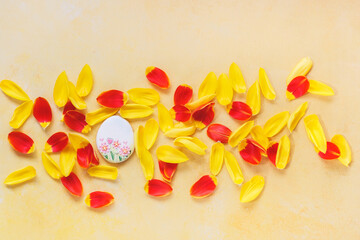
[147,163]
[77,141]
[51,166]
[301,69]
[13,90]
[265,85]
[61,90]
[100,115]
[139,138]
[75,99]
[233,168]
[165,121]
[224,91]
[257,133]
[21,114]
[102,171]
[251,189]
[151,131]
[276,123]
[216,158]
[67,160]
[315,132]
[20,176]
[319,88]
[200,102]
[283,152]
[240,133]
[85,81]
[144,96]
[253,98]
[237,79]
[208,86]
[345,151]
[169,154]
[181,131]
[134,111]
[296,116]
[192,143]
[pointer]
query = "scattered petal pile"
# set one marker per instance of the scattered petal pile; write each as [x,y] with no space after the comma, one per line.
[186,116]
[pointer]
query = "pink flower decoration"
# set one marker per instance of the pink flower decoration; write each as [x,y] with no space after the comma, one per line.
[116,144]
[109,140]
[104,148]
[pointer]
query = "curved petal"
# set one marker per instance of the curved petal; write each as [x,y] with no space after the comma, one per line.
[157,77]
[283,152]
[135,111]
[276,123]
[237,79]
[51,166]
[252,189]
[20,176]
[224,91]
[21,142]
[253,98]
[21,114]
[72,184]
[67,160]
[13,90]
[99,199]
[315,132]
[208,86]
[200,102]
[165,121]
[219,133]
[319,88]
[203,187]
[169,154]
[257,133]
[157,188]
[180,113]
[216,158]
[42,112]
[144,96]
[56,142]
[147,162]
[233,168]
[265,85]
[167,170]
[204,116]
[240,133]
[102,171]
[191,143]
[332,152]
[61,90]
[112,99]
[296,116]
[100,115]
[151,131]
[297,87]
[345,151]
[301,69]
[180,131]
[76,121]
[183,94]
[239,110]
[85,81]
[75,99]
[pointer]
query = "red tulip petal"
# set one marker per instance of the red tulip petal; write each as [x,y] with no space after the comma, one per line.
[73,184]
[87,156]
[204,115]
[183,94]
[157,188]
[76,121]
[203,187]
[21,142]
[112,99]
[167,170]
[251,151]
[298,86]
[99,199]
[68,106]
[271,152]
[56,142]
[180,113]
[42,111]
[239,110]
[157,77]
[218,133]
[332,152]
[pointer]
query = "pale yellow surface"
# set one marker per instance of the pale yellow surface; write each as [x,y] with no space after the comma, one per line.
[310,199]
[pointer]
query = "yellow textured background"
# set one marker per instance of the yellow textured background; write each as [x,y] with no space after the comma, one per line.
[311,199]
